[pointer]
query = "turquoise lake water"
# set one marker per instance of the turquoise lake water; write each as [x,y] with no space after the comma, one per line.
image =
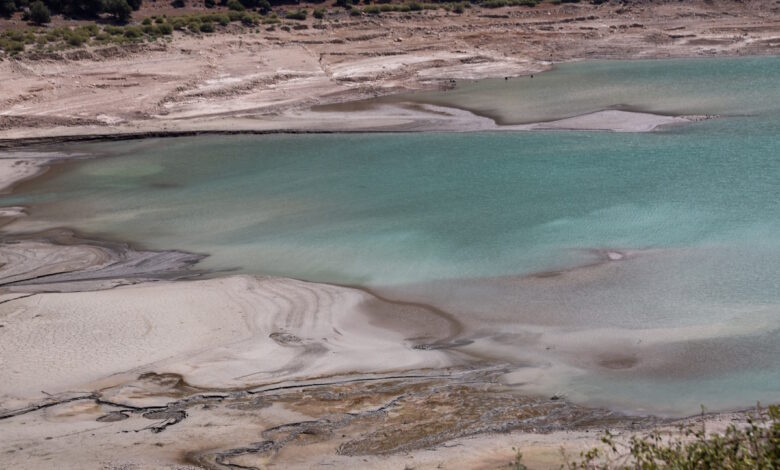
[462,220]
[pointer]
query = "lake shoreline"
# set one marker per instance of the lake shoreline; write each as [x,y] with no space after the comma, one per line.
[199,366]
[185,390]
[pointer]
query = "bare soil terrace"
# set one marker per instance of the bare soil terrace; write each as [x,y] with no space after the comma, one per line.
[251,79]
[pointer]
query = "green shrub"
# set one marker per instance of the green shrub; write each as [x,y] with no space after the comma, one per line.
[133,32]
[178,4]
[207,28]
[146,21]
[298,15]
[11,47]
[319,13]
[222,19]
[39,13]
[263,6]
[119,9]
[235,5]
[755,446]
[76,38]
[91,30]
[209,3]
[178,23]
[248,20]
[165,29]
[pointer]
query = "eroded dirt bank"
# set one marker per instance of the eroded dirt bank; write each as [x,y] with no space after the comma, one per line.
[269,80]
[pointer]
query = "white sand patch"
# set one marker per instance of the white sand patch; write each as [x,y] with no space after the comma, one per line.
[218,333]
[612,120]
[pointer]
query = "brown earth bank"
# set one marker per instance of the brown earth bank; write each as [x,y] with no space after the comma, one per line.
[251,79]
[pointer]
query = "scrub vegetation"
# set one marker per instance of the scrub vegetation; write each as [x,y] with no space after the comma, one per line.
[111,21]
[754,445]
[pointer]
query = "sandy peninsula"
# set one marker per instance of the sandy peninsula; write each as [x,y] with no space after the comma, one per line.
[112,356]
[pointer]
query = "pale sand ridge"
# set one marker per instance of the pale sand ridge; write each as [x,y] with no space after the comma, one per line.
[220,333]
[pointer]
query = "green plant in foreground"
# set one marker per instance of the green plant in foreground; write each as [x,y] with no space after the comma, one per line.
[517,461]
[754,445]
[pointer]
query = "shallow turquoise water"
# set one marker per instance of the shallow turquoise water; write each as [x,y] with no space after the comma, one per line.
[440,217]
[724,86]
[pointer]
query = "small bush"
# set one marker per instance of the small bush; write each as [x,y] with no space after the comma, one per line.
[178,4]
[165,29]
[263,6]
[209,3]
[76,38]
[319,13]
[11,47]
[235,5]
[133,32]
[248,20]
[119,9]
[39,13]
[178,23]
[91,30]
[207,28]
[298,15]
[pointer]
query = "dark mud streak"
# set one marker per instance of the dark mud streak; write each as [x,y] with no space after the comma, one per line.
[44,405]
[11,144]
[201,398]
[16,298]
[123,262]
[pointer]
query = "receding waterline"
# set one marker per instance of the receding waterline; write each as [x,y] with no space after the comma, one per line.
[632,270]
